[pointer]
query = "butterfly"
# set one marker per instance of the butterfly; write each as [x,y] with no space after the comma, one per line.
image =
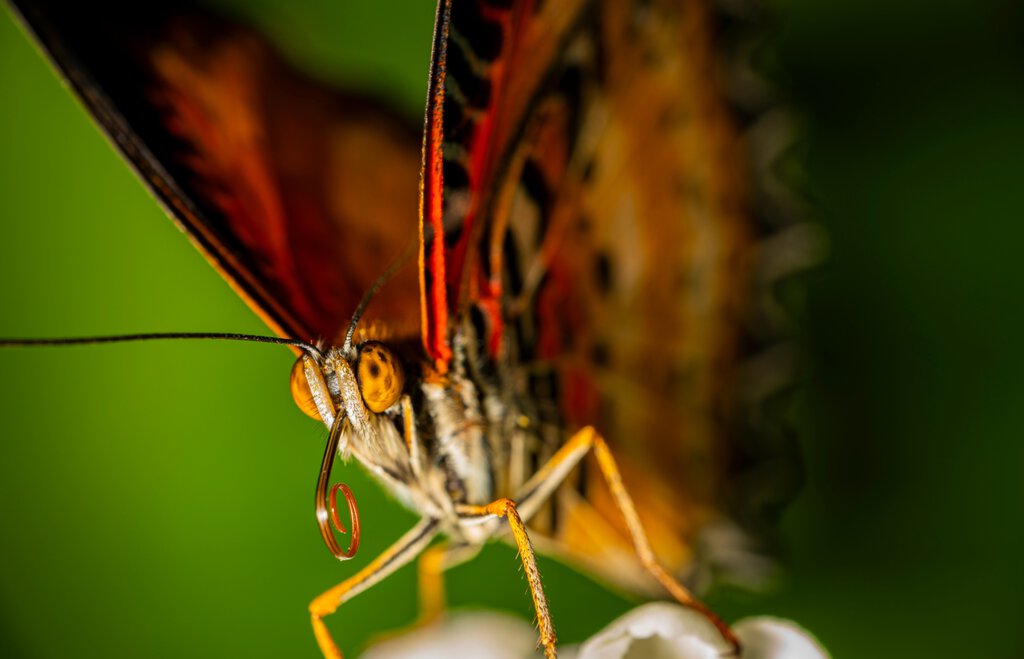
[529,293]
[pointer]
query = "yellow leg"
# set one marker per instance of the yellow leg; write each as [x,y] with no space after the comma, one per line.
[404,550]
[432,565]
[506,508]
[430,573]
[554,471]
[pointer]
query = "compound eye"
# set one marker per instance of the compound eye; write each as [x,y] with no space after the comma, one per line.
[300,390]
[380,376]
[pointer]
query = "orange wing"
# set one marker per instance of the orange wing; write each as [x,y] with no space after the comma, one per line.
[489,58]
[297,193]
[589,181]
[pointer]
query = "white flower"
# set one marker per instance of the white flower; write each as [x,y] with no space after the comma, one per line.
[482,634]
[653,631]
[661,630]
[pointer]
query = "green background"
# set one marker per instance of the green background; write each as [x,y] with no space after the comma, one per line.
[155,499]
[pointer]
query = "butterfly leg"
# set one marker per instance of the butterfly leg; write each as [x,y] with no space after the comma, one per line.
[430,575]
[432,565]
[506,509]
[404,550]
[550,476]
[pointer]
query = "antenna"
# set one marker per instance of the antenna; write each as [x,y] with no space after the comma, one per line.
[372,291]
[159,336]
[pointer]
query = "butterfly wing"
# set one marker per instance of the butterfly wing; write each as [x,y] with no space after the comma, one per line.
[295,192]
[582,188]
[588,179]
[487,62]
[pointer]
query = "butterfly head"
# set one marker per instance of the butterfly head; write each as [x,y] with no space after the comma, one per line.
[346,389]
[372,378]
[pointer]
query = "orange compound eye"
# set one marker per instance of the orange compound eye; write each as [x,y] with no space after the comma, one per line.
[301,394]
[380,376]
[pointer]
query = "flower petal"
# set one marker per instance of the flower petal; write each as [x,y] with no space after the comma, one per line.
[765,637]
[658,630]
[482,634]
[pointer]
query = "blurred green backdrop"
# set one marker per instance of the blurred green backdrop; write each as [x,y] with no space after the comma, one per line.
[156,499]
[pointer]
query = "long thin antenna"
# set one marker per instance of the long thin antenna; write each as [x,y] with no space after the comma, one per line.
[157,336]
[372,291]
